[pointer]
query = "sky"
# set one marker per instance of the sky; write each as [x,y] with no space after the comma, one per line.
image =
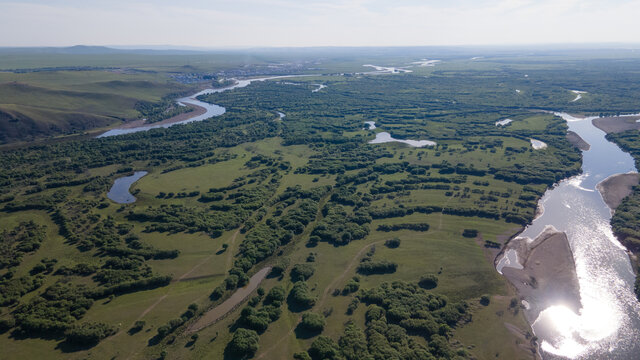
[298,23]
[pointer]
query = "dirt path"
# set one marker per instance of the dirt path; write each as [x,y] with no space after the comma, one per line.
[230,250]
[208,258]
[339,279]
[442,213]
[325,293]
[286,336]
[181,278]
[146,311]
[239,296]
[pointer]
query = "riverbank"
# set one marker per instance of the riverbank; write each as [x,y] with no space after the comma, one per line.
[577,141]
[615,188]
[548,275]
[616,124]
[197,111]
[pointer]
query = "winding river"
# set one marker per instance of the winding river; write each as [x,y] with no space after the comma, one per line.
[120,190]
[211,110]
[608,325]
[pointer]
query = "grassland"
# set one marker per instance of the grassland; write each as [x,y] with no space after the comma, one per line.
[228,196]
[37,105]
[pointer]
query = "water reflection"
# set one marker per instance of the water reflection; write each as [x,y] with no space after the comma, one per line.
[120,190]
[385,137]
[608,325]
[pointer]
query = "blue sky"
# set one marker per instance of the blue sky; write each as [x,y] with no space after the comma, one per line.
[248,23]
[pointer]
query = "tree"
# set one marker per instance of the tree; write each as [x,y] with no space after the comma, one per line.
[277,293]
[89,333]
[312,322]
[353,343]
[324,348]
[428,281]
[301,296]
[485,300]
[392,243]
[244,343]
[301,272]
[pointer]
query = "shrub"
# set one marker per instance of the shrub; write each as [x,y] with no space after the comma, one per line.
[324,348]
[312,322]
[485,300]
[277,293]
[428,281]
[377,267]
[244,343]
[300,295]
[470,233]
[301,272]
[351,287]
[301,356]
[137,326]
[89,333]
[7,323]
[392,243]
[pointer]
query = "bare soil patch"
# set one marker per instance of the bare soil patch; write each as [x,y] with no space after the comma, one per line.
[615,188]
[617,124]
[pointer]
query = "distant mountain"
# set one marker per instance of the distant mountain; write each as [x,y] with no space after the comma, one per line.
[93,50]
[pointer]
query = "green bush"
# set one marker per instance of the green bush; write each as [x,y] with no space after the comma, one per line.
[392,243]
[302,272]
[89,333]
[312,322]
[324,348]
[428,281]
[301,296]
[244,343]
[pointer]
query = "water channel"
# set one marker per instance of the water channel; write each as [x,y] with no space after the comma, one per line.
[608,325]
[120,190]
[211,110]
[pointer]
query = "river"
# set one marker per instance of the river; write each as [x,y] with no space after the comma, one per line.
[120,190]
[608,325]
[211,110]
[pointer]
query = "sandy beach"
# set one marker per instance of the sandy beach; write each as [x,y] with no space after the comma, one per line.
[548,276]
[615,188]
[577,141]
[617,124]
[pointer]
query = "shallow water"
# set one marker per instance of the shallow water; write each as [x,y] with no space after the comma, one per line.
[509,259]
[503,122]
[372,124]
[537,144]
[578,95]
[608,325]
[120,190]
[385,137]
[386,69]
[426,62]
[319,87]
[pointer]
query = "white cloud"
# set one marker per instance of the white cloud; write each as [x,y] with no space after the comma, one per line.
[223,23]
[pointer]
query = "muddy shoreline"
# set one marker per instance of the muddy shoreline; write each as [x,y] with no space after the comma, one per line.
[548,275]
[577,141]
[615,188]
[616,124]
[197,111]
